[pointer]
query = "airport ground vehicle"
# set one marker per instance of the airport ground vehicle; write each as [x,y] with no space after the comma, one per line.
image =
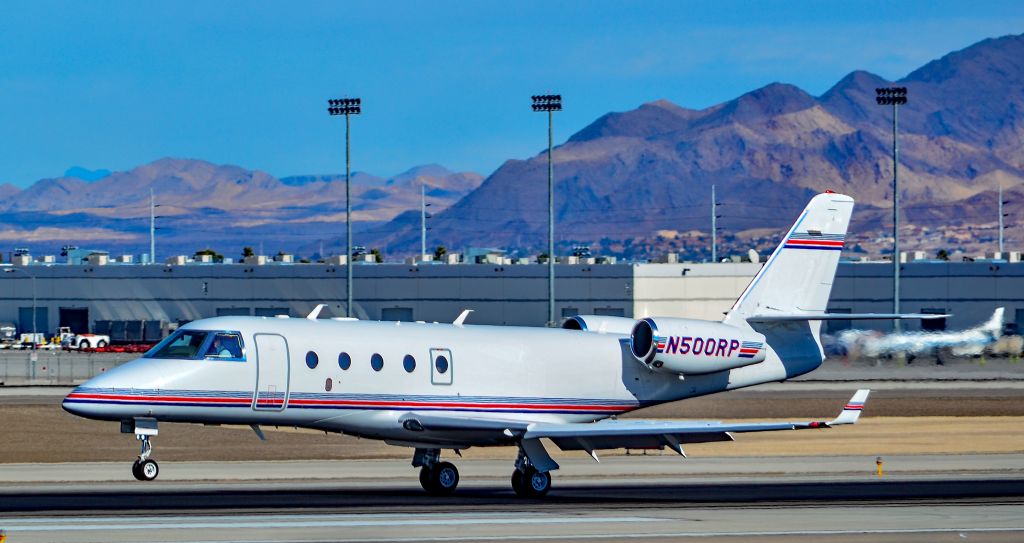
[69,340]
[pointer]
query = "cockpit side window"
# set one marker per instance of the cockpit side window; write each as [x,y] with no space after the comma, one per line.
[183,344]
[225,346]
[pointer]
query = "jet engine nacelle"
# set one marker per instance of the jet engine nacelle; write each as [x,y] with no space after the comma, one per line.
[690,347]
[602,324]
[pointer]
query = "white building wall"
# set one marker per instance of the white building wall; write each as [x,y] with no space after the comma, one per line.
[696,291]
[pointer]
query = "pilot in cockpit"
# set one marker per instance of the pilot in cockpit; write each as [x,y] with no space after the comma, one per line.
[224,346]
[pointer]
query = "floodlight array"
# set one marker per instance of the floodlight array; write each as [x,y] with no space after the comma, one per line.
[344,106]
[891,96]
[547,102]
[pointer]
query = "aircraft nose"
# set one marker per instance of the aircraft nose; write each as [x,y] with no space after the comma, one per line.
[80,402]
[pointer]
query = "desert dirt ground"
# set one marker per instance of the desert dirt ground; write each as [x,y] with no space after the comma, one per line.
[895,422]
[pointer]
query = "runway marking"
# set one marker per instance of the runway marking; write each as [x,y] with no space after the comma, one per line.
[288,522]
[564,537]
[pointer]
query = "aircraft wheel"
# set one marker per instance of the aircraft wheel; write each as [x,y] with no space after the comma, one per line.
[534,484]
[135,470]
[148,470]
[443,479]
[426,480]
[517,482]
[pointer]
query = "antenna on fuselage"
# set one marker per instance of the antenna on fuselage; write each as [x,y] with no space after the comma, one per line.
[316,312]
[462,317]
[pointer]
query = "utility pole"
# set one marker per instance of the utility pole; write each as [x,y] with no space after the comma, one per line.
[347,107]
[895,97]
[550,103]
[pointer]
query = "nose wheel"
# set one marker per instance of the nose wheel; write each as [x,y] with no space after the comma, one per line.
[145,468]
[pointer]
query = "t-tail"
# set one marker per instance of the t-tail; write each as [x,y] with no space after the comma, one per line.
[787,298]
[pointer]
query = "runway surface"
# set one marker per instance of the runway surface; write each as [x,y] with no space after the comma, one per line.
[927,498]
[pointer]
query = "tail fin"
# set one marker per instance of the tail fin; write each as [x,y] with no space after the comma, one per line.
[797,278]
[994,325]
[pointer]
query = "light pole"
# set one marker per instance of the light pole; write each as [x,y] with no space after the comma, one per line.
[33,278]
[895,97]
[550,103]
[152,226]
[714,225]
[347,107]
[423,222]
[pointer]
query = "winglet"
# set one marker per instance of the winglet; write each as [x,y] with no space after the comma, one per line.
[316,312]
[851,411]
[462,317]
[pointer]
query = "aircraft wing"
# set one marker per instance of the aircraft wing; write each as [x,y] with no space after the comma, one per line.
[616,434]
[797,317]
[612,434]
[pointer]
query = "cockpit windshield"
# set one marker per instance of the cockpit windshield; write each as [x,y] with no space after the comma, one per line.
[225,345]
[183,344]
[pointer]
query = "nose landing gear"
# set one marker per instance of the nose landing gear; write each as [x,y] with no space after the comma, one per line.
[144,468]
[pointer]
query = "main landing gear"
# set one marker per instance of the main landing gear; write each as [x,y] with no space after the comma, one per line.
[441,478]
[436,477]
[527,482]
[144,468]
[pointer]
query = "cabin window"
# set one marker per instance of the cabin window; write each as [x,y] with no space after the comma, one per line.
[225,346]
[312,359]
[183,345]
[377,362]
[441,363]
[409,363]
[344,361]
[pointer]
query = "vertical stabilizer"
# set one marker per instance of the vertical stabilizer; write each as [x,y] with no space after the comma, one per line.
[798,277]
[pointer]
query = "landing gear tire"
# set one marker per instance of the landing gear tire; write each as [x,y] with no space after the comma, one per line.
[145,470]
[440,480]
[531,483]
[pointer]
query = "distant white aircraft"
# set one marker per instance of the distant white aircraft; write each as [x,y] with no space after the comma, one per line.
[453,386]
[962,343]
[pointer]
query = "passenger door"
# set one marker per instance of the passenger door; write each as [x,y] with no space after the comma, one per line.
[272,373]
[442,366]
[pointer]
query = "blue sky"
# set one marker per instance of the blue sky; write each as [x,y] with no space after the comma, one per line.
[118,84]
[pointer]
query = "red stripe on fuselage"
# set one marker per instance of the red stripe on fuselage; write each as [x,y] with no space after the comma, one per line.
[348,403]
[820,242]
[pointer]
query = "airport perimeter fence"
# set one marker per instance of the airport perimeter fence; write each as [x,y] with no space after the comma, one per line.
[50,368]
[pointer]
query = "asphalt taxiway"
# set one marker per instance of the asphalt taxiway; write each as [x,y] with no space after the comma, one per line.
[660,498]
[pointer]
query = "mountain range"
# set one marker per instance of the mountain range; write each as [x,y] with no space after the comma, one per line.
[205,205]
[632,183]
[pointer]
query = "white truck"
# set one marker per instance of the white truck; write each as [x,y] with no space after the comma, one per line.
[69,340]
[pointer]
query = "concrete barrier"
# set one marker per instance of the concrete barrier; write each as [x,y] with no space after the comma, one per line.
[19,368]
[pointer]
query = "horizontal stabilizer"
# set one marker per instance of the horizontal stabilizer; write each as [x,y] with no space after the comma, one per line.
[792,317]
[851,412]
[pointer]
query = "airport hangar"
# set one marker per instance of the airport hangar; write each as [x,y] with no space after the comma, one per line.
[117,298]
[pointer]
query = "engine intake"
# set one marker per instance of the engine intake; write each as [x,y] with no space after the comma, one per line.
[691,347]
[602,324]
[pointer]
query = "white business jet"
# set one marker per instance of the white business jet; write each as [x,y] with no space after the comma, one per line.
[432,387]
